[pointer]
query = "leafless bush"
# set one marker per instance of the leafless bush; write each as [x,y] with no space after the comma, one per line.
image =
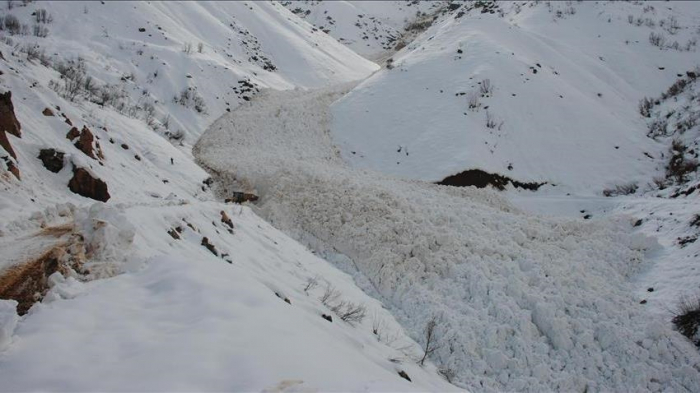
[190,98]
[311,283]
[40,31]
[657,128]
[42,16]
[687,318]
[657,39]
[474,103]
[187,47]
[485,87]
[676,88]
[12,24]
[350,312]
[622,189]
[330,295]
[200,47]
[645,106]
[671,25]
[431,344]
[492,122]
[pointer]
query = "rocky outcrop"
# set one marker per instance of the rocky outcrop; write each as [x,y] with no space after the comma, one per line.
[241,197]
[84,184]
[481,179]
[47,112]
[86,142]
[52,159]
[8,122]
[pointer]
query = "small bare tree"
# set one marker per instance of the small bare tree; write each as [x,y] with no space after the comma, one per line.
[330,295]
[200,48]
[431,344]
[187,47]
[311,283]
[485,87]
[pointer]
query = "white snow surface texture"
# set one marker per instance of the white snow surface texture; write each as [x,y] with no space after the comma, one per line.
[523,302]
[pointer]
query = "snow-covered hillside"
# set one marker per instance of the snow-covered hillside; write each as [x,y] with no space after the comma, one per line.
[164,287]
[370,28]
[521,302]
[125,266]
[538,92]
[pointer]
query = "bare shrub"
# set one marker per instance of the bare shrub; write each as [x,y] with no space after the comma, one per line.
[473,102]
[187,47]
[42,16]
[657,39]
[190,98]
[622,189]
[12,24]
[485,87]
[687,319]
[40,31]
[200,47]
[645,106]
[330,295]
[350,312]
[311,283]
[431,344]
[492,122]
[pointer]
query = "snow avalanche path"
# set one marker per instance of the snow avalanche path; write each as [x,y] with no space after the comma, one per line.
[523,302]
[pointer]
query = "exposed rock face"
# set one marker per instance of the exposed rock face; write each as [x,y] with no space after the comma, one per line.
[481,179]
[8,122]
[11,166]
[240,197]
[85,185]
[47,112]
[52,159]
[86,142]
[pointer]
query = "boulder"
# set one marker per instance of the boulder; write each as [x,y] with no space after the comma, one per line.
[8,122]
[47,112]
[84,184]
[240,197]
[52,159]
[86,142]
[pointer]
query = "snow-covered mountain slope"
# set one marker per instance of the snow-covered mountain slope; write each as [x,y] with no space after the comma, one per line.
[538,92]
[163,287]
[181,318]
[370,28]
[151,52]
[521,302]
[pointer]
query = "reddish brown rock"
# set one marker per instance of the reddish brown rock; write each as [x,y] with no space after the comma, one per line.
[85,185]
[86,142]
[47,112]
[8,122]
[52,159]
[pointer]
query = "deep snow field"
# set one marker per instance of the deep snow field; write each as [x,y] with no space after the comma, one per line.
[341,116]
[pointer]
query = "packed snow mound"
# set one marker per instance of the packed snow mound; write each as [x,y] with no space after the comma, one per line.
[370,28]
[182,318]
[539,92]
[522,302]
[185,63]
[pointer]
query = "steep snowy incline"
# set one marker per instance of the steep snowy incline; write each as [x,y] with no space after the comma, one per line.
[189,61]
[521,302]
[370,28]
[238,315]
[544,92]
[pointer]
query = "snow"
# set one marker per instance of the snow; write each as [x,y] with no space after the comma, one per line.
[574,123]
[8,322]
[523,302]
[527,295]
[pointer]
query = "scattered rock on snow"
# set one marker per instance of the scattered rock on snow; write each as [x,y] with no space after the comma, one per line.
[8,122]
[84,184]
[405,376]
[47,112]
[52,159]
[241,197]
[86,142]
[209,246]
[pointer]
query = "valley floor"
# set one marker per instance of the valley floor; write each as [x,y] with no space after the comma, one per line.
[521,301]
